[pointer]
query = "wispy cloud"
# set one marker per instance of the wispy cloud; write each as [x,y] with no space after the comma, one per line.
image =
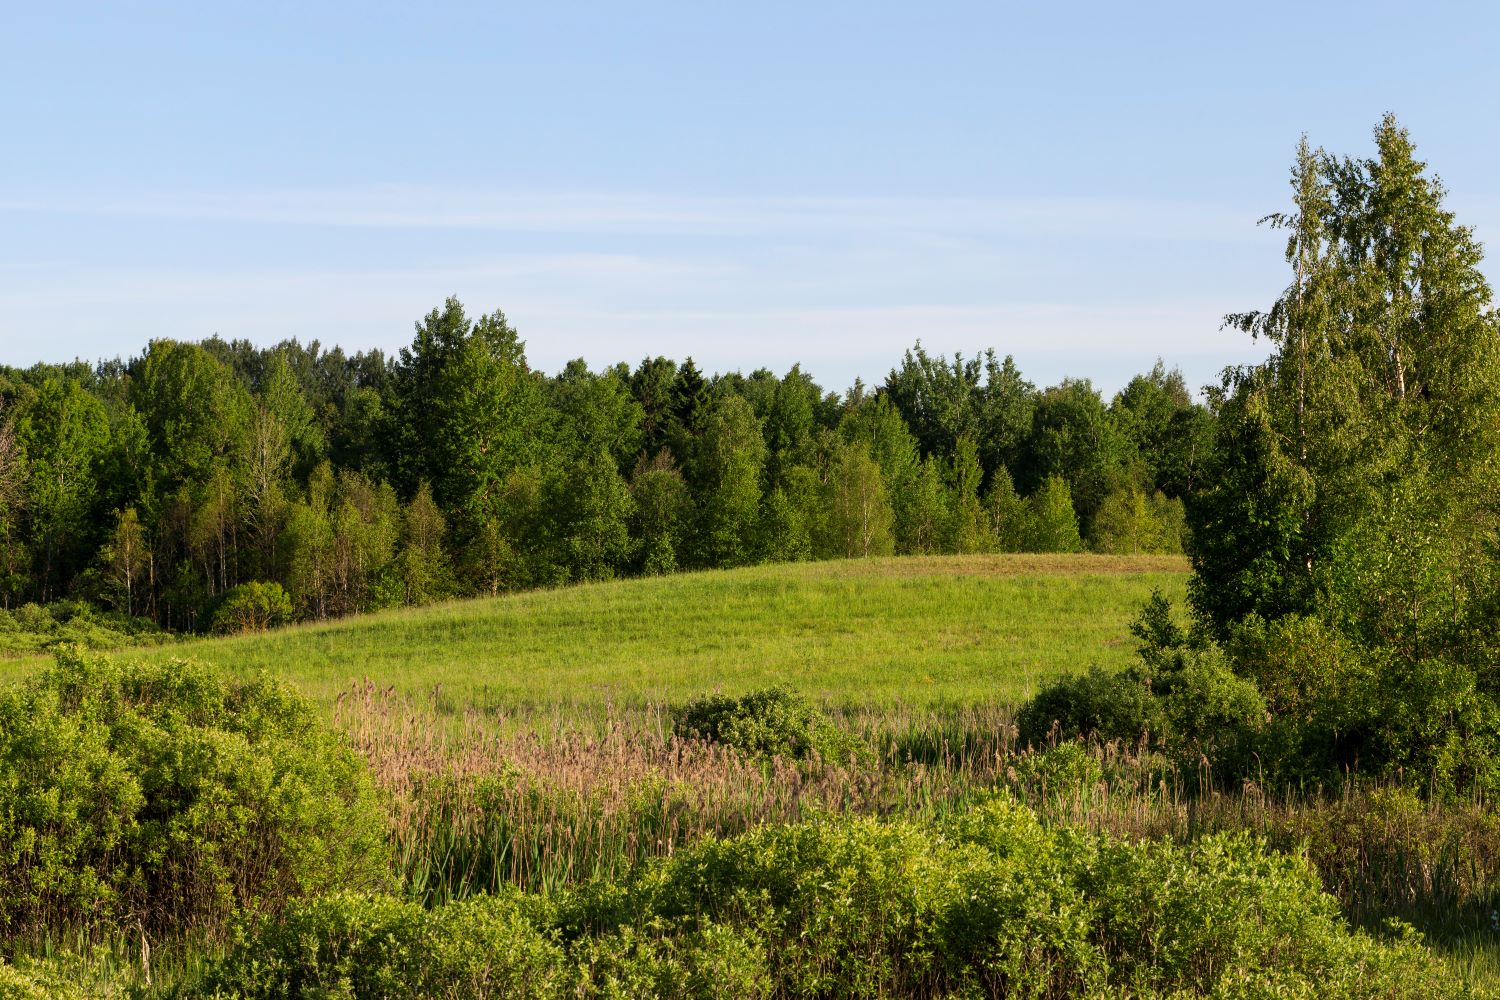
[417,207]
[1070,286]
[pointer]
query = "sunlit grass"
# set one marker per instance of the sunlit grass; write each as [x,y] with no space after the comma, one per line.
[914,632]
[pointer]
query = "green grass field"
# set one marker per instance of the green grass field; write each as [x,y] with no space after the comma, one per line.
[911,631]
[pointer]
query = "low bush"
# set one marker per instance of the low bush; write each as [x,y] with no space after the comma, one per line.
[989,902]
[994,904]
[251,607]
[772,722]
[1183,694]
[167,798]
[43,980]
[1342,706]
[1097,704]
[33,628]
[1065,770]
[373,948]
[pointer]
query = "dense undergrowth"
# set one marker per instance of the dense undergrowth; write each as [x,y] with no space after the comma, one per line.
[531,857]
[33,628]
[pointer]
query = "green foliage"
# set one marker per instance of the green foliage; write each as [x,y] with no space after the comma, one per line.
[196,414]
[1339,705]
[1170,435]
[1062,770]
[64,435]
[1051,524]
[156,485]
[994,904]
[1008,513]
[422,564]
[922,514]
[1073,437]
[730,459]
[33,628]
[968,526]
[1348,528]
[593,507]
[793,515]
[662,514]
[981,398]
[772,722]
[987,903]
[1099,704]
[859,516]
[166,796]
[1182,692]
[43,980]
[1130,522]
[466,410]
[374,948]
[251,607]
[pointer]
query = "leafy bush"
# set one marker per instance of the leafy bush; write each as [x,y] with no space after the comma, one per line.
[1182,692]
[1341,706]
[1066,769]
[683,959]
[33,628]
[994,904]
[374,948]
[1096,704]
[772,722]
[988,903]
[42,980]
[251,607]
[167,795]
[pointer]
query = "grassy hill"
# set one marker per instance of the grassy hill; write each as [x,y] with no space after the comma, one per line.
[918,631]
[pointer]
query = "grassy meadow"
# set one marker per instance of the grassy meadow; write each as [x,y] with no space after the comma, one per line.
[879,633]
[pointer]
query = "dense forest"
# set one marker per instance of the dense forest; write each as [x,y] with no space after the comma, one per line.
[218,485]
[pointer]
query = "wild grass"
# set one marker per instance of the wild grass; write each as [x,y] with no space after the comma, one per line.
[884,632]
[491,803]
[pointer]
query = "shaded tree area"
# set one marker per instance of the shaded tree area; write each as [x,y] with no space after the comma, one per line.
[181,484]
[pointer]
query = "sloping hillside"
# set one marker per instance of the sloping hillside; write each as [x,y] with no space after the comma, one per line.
[914,630]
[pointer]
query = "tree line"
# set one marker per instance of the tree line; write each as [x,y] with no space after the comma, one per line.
[220,482]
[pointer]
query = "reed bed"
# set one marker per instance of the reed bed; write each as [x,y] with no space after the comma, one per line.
[548,800]
[482,802]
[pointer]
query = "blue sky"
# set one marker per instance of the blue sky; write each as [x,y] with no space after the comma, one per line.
[1076,185]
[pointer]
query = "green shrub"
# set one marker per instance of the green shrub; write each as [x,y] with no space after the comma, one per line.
[1341,706]
[251,607]
[989,903]
[166,795]
[32,628]
[378,948]
[1183,693]
[1225,917]
[992,903]
[1096,704]
[772,722]
[688,960]
[42,980]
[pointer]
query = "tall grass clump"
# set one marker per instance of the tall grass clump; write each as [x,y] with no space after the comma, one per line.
[478,807]
[160,800]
